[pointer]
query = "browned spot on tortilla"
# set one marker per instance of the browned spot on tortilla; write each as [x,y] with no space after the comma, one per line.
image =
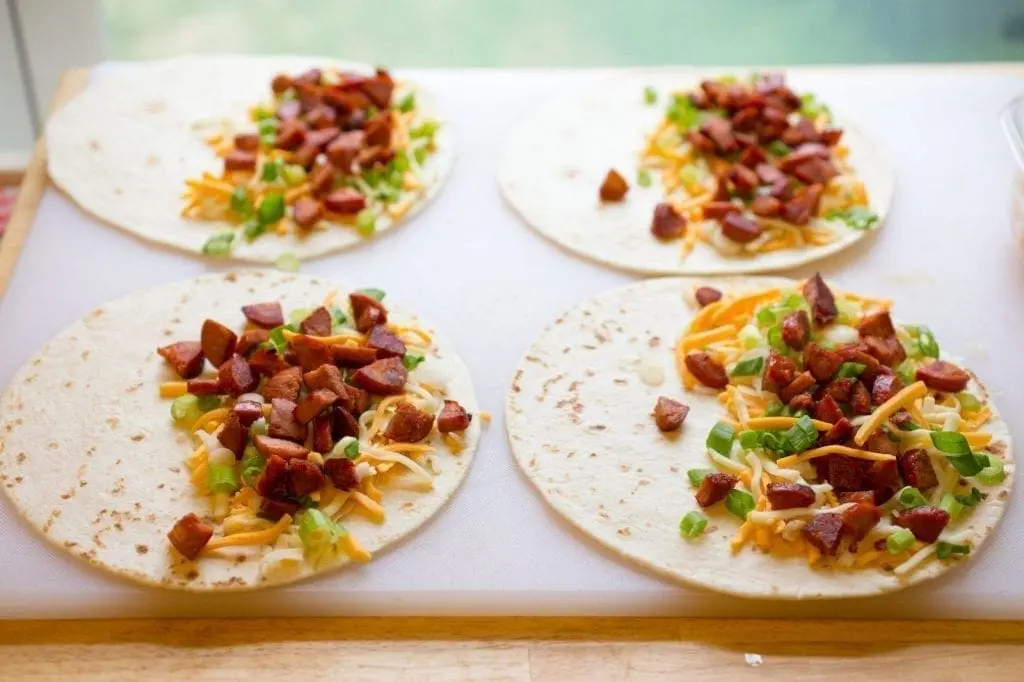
[85,354]
[52,445]
[192,575]
[21,458]
[231,277]
[533,462]
[54,515]
[593,454]
[68,495]
[241,559]
[534,359]
[620,381]
[566,350]
[589,346]
[18,479]
[601,338]
[94,145]
[36,361]
[69,384]
[112,422]
[118,488]
[996,447]
[597,427]
[623,532]
[139,437]
[70,544]
[161,486]
[575,386]
[174,470]
[95,314]
[654,341]
[152,160]
[151,518]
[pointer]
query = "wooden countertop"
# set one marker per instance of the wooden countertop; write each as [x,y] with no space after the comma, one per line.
[488,648]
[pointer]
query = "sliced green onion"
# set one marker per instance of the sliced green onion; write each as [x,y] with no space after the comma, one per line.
[795,301]
[275,337]
[420,154]
[720,438]
[299,314]
[966,465]
[951,506]
[293,174]
[811,108]
[856,217]
[240,203]
[650,95]
[779,148]
[944,550]
[801,436]
[261,112]
[968,402]
[378,294]
[271,208]
[366,222]
[186,408]
[910,426]
[774,409]
[775,340]
[268,140]
[221,478]
[683,113]
[900,541]
[765,317]
[338,316]
[749,367]
[905,371]
[739,503]
[253,229]
[318,532]
[252,465]
[427,130]
[911,497]
[851,370]
[643,178]
[926,342]
[266,126]
[219,244]
[407,103]
[696,476]
[750,440]
[750,337]
[270,171]
[288,262]
[848,312]
[259,427]
[693,525]
[971,499]
[208,402]
[993,473]
[950,442]
[412,360]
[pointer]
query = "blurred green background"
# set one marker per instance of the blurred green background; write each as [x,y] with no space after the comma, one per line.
[528,33]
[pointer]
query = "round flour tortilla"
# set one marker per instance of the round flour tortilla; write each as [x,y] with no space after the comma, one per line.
[124,148]
[90,456]
[556,160]
[580,427]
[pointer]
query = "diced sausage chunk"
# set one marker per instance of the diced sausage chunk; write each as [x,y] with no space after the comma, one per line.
[789,495]
[845,473]
[313,404]
[943,376]
[236,377]
[250,340]
[285,449]
[823,303]
[307,212]
[859,519]
[706,369]
[310,352]
[828,410]
[341,471]
[667,223]
[669,414]
[877,324]
[453,417]
[282,422]
[233,435]
[218,342]
[714,488]
[796,330]
[285,384]
[924,522]
[824,531]
[267,362]
[323,431]
[385,342]
[885,387]
[367,311]
[247,411]
[409,424]
[888,350]
[614,187]
[304,477]
[205,386]
[343,423]
[705,296]
[190,535]
[345,200]
[840,432]
[916,469]
[273,480]
[275,509]
[860,399]
[326,377]
[779,371]
[185,357]
[265,315]
[800,384]
[821,362]
[352,357]
[739,228]
[382,377]
[883,479]
[317,323]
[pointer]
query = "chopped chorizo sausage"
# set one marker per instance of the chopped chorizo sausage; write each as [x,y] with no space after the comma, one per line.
[345,200]
[385,342]
[879,441]
[341,471]
[236,377]
[700,141]
[824,531]
[885,387]
[799,133]
[250,340]
[842,430]
[409,424]
[290,134]
[859,519]
[190,535]
[326,377]
[378,130]
[367,311]
[901,419]
[883,479]
[743,179]
[453,417]
[321,180]
[218,342]
[282,422]
[714,488]
[823,304]
[280,83]
[839,389]
[815,171]
[810,150]
[888,350]
[322,117]
[705,296]
[313,404]
[287,112]
[778,372]
[739,228]
[876,324]
[769,174]
[860,399]
[310,352]
[273,480]
[275,509]
[752,157]
[285,384]
[766,206]
[247,142]
[801,401]
[667,222]
[827,410]
[203,386]
[265,315]
[745,119]
[285,449]
[614,187]
[719,130]
[716,210]
[789,495]
[845,473]
[796,330]
[803,382]
[859,496]
[669,414]
[185,357]
[821,362]
[317,323]
[233,435]
[943,376]
[247,411]
[343,423]
[343,150]
[240,161]
[924,522]
[916,469]
[706,369]
[307,212]
[382,377]
[304,477]
[352,357]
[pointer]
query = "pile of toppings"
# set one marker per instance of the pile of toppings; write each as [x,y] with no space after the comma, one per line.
[748,167]
[303,424]
[330,147]
[848,440]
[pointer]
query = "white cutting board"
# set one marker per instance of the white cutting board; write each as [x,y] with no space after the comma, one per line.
[946,256]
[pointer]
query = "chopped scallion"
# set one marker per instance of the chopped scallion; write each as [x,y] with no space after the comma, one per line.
[643,178]
[412,360]
[951,506]
[252,465]
[221,478]
[693,524]
[993,473]
[185,408]
[720,438]
[271,208]
[968,402]
[899,541]
[293,174]
[366,222]
[944,550]
[288,262]
[739,503]
[219,244]
[650,95]
[765,317]
[851,370]
[407,103]
[749,367]
[910,498]
[696,476]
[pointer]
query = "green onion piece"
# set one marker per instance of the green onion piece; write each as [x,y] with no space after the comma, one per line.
[338,316]
[905,371]
[258,428]
[412,360]
[378,294]
[261,112]
[951,506]
[910,426]
[420,154]
[796,302]
[774,337]
[270,171]
[750,440]
[266,126]
[683,113]
[910,497]
[268,141]
[765,317]
[993,473]
[208,402]
[779,148]
[276,340]
[240,203]
[971,499]
[253,229]
[929,347]
[288,262]
[966,465]
[185,408]
[812,109]
[739,503]
[750,337]
[848,312]
[219,244]
[944,550]
[299,314]
[293,175]
[271,208]
[427,130]
[749,367]
[968,402]
[720,438]
[401,162]
[252,465]
[696,476]
[851,370]
[221,478]
[900,541]
[407,103]
[693,525]
[950,442]
[650,95]
[856,218]
[801,436]
[366,222]
[774,409]
[318,532]
[643,178]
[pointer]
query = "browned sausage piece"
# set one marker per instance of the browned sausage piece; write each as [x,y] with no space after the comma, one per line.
[453,417]
[374,156]
[669,414]
[379,89]
[343,423]
[805,152]
[275,509]
[353,357]
[273,480]
[247,142]
[860,496]
[382,377]
[839,389]
[778,372]
[885,387]
[343,150]
[341,471]
[190,535]
[185,357]
[310,352]
[409,424]
[714,488]
[860,399]
[739,228]
[285,449]
[614,187]
[752,157]
[267,362]
[317,323]
[250,340]
[943,376]
[800,384]
[218,342]
[716,210]
[830,136]
[876,324]
[706,369]
[884,480]
[304,478]
[323,428]
[796,330]
[821,300]
[320,138]
[700,141]
[916,469]
[769,174]
[313,404]
[378,130]
[280,83]
[828,410]
[205,386]
[789,495]
[859,519]
[306,156]
[321,179]
[705,296]
[367,311]
[743,179]
[888,350]
[824,531]
[385,342]
[239,161]
[284,385]
[745,119]
[879,441]
[282,422]
[322,117]
[766,206]
[234,436]
[236,377]
[247,411]
[307,212]
[325,377]
[840,432]
[821,362]
[265,315]
[801,401]
[924,522]
[291,134]
[667,222]
[720,132]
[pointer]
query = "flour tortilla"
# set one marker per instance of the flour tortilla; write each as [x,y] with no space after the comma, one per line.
[557,158]
[90,457]
[580,427]
[124,148]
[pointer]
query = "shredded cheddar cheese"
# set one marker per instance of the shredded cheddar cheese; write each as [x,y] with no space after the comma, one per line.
[261,537]
[793,460]
[887,409]
[782,423]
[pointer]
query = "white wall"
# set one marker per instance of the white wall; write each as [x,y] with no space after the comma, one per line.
[15,125]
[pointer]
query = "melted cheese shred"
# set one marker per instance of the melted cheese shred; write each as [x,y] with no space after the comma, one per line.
[793,460]
[889,408]
[263,537]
